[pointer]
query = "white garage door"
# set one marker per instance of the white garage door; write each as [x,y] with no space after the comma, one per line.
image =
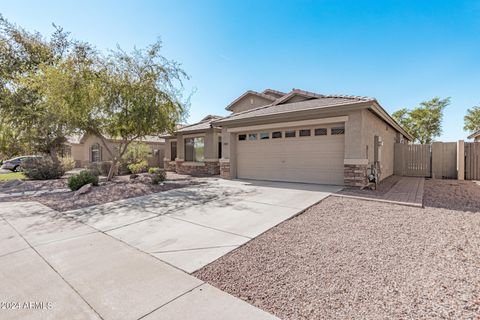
[314,158]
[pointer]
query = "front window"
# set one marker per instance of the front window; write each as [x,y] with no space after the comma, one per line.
[173,150]
[194,149]
[96,153]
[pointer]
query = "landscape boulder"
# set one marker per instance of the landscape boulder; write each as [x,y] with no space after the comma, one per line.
[83,190]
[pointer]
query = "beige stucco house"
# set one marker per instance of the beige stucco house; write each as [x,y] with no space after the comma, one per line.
[298,136]
[86,149]
[475,136]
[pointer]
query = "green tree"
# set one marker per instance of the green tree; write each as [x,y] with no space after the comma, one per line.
[142,96]
[24,58]
[424,123]
[472,119]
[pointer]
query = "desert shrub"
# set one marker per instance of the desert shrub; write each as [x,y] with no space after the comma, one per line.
[153,170]
[68,163]
[85,177]
[138,167]
[159,175]
[42,168]
[100,168]
[136,153]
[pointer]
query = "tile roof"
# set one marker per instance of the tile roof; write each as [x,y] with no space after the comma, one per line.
[265,96]
[204,124]
[274,93]
[77,139]
[316,101]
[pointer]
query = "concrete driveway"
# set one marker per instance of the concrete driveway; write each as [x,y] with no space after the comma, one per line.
[130,259]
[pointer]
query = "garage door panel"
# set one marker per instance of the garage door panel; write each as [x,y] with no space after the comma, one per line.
[312,159]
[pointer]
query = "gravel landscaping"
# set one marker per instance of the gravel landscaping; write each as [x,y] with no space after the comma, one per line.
[355,259]
[58,196]
[452,194]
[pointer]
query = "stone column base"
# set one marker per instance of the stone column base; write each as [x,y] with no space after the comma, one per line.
[355,175]
[207,168]
[169,165]
[225,169]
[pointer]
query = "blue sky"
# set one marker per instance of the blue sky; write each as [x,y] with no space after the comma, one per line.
[400,52]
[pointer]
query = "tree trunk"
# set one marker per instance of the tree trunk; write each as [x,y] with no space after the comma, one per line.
[54,155]
[113,168]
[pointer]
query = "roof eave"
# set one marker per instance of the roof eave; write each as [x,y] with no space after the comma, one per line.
[474,135]
[392,122]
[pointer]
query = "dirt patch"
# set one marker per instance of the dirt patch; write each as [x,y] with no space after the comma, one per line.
[452,194]
[121,187]
[382,188]
[354,259]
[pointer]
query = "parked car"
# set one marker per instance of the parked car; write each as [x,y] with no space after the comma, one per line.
[15,164]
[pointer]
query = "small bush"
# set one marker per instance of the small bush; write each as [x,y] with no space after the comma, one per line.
[153,170]
[159,176]
[100,168]
[67,163]
[42,169]
[85,177]
[138,167]
[123,168]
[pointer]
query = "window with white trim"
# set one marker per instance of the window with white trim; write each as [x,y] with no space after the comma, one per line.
[321,131]
[194,149]
[264,135]
[290,134]
[305,132]
[337,130]
[276,134]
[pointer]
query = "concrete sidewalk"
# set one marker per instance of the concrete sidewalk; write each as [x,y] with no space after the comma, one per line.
[49,273]
[125,260]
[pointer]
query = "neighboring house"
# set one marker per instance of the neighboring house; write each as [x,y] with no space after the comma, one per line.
[475,136]
[296,137]
[86,149]
[195,148]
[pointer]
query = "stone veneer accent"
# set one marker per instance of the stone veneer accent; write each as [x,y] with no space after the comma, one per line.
[169,165]
[225,170]
[207,168]
[355,175]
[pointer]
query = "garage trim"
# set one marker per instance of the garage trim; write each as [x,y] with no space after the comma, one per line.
[289,124]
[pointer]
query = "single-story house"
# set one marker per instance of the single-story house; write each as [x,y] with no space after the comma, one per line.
[475,136]
[298,136]
[87,148]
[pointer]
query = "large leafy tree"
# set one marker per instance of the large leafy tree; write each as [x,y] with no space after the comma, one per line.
[24,58]
[122,96]
[472,119]
[142,96]
[424,123]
